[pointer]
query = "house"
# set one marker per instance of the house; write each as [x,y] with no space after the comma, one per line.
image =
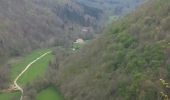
[80,41]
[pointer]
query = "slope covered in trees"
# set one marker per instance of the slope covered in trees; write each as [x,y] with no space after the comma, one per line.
[124,63]
[111,7]
[30,24]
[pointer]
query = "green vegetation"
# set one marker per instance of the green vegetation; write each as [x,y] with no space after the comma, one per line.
[10,96]
[126,62]
[165,89]
[49,94]
[38,69]
[77,46]
[19,66]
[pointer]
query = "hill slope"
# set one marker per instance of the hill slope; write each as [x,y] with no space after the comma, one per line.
[111,7]
[30,24]
[126,62]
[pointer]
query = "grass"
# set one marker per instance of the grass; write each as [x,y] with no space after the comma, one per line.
[37,69]
[19,66]
[49,94]
[10,96]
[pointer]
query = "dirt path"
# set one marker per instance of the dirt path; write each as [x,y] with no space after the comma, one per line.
[16,86]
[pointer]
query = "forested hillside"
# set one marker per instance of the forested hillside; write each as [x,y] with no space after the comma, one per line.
[112,7]
[30,24]
[124,63]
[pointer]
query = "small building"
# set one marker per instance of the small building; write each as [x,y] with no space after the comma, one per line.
[80,41]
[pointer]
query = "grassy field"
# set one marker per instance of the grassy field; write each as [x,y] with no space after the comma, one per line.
[49,94]
[19,66]
[37,69]
[10,96]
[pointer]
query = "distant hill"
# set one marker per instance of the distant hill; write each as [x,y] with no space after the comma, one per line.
[112,7]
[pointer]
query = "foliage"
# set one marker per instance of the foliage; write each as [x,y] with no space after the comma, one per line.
[10,96]
[49,93]
[77,46]
[165,85]
[124,63]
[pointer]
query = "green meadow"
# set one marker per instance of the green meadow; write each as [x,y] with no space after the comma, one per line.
[37,69]
[49,94]
[20,65]
[10,96]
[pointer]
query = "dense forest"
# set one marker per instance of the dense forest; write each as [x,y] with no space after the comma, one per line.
[111,7]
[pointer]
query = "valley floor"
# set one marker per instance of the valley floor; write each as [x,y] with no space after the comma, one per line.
[28,69]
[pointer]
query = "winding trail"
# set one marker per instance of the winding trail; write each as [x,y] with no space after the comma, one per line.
[16,86]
